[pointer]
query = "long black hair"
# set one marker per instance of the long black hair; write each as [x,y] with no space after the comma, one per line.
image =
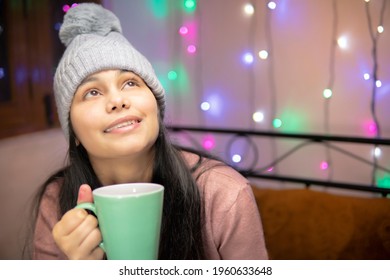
[182,218]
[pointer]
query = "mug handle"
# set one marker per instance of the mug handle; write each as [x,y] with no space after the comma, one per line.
[90,206]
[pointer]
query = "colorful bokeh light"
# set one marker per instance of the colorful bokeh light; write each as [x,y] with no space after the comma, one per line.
[183,30]
[172,75]
[277,123]
[191,49]
[370,128]
[189,6]
[208,142]
[205,106]
[247,58]
[324,165]
[236,158]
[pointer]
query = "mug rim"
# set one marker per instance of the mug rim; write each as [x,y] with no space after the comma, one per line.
[101,190]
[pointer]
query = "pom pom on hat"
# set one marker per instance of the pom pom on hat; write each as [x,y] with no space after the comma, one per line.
[94,43]
[91,19]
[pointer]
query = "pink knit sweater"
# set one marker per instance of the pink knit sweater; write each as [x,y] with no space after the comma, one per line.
[233,228]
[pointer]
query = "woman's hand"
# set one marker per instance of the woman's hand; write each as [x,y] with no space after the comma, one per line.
[77,233]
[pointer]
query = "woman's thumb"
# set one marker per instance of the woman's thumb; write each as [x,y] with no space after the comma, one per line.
[85,194]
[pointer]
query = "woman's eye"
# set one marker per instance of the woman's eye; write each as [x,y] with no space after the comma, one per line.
[91,93]
[131,83]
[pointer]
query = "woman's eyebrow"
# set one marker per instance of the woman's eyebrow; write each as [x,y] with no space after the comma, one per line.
[88,80]
[123,71]
[94,78]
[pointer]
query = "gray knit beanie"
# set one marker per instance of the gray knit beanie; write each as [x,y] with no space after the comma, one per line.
[94,43]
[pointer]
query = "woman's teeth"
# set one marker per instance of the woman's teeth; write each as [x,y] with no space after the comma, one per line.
[121,125]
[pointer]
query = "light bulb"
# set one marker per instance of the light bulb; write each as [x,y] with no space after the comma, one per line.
[247,58]
[208,142]
[263,54]
[324,165]
[327,93]
[342,42]
[183,30]
[377,152]
[258,116]
[172,75]
[191,49]
[272,5]
[236,158]
[65,8]
[249,9]
[277,123]
[190,5]
[205,106]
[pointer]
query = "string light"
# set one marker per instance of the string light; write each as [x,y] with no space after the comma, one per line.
[272,5]
[258,116]
[236,158]
[189,5]
[384,181]
[172,75]
[249,9]
[57,26]
[324,165]
[277,123]
[376,83]
[66,8]
[370,128]
[191,49]
[183,30]
[208,142]
[327,93]
[263,54]
[205,106]
[342,42]
[247,58]
[377,152]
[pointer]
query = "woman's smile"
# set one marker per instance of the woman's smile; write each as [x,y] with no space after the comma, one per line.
[123,125]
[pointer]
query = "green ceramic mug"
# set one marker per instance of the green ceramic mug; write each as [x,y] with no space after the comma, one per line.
[129,218]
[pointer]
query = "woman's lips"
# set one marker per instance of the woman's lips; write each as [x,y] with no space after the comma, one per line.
[122,124]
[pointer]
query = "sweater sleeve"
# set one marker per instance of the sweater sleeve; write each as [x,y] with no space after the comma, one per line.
[44,246]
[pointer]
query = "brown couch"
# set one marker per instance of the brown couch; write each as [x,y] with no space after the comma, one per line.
[307,224]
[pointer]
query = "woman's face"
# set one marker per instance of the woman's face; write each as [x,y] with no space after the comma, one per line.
[114,115]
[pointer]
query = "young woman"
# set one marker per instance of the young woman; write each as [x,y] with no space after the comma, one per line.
[111,109]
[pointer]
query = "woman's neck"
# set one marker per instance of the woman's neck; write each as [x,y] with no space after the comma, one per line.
[124,170]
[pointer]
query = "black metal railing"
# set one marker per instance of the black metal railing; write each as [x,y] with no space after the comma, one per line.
[326,139]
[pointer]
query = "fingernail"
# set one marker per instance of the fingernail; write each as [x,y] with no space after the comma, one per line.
[81,213]
[81,194]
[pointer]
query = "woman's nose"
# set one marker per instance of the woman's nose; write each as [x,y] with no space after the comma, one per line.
[117,102]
